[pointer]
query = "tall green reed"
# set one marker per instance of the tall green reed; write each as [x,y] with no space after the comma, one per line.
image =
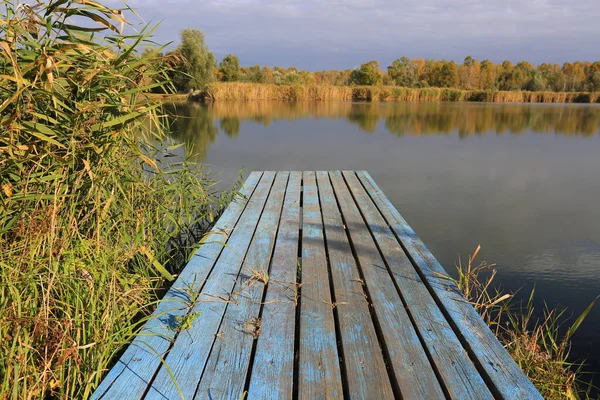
[92,224]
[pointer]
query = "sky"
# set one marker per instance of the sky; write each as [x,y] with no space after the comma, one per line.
[340,34]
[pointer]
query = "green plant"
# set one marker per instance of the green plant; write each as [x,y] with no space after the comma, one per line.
[185,321]
[92,224]
[539,344]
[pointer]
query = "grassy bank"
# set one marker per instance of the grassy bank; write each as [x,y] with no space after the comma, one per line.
[226,91]
[538,341]
[92,226]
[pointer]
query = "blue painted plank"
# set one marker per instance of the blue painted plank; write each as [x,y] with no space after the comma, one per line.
[132,373]
[366,373]
[318,364]
[458,374]
[224,376]
[508,380]
[410,366]
[273,366]
[184,363]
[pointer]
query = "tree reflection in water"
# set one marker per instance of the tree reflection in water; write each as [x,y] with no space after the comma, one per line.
[198,125]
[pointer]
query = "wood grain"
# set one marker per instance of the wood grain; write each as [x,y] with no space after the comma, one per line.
[363,359]
[319,375]
[272,372]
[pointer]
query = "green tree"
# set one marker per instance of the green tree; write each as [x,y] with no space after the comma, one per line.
[367,74]
[505,72]
[522,76]
[255,74]
[230,68]
[403,73]
[487,77]
[448,75]
[198,62]
[593,77]
[553,75]
[574,76]
[536,83]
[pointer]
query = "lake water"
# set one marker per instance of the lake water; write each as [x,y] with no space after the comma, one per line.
[521,180]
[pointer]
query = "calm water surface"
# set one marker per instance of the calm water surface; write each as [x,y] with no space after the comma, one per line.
[522,180]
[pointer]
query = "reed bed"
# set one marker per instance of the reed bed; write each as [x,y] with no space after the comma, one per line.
[93,226]
[227,91]
[538,341]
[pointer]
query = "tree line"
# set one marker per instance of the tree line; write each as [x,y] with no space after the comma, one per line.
[193,66]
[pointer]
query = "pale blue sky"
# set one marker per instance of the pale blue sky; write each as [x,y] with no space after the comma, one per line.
[340,34]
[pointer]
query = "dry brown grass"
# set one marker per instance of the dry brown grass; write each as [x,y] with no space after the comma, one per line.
[538,341]
[225,91]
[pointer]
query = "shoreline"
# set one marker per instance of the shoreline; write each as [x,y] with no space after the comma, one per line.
[225,91]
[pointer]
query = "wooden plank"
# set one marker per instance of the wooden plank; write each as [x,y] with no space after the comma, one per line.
[319,374]
[366,372]
[507,379]
[225,374]
[183,366]
[132,373]
[460,377]
[411,369]
[273,367]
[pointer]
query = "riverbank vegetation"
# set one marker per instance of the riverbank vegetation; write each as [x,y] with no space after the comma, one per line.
[538,341]
[199,125]
[469,80]
[227,91]
[92,225]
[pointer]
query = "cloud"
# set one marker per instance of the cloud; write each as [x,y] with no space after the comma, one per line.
[339,34]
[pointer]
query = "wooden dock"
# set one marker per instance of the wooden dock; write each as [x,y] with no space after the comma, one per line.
[314,287]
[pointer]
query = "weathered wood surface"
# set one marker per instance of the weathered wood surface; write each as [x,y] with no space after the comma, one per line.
[312,286]
[319,373]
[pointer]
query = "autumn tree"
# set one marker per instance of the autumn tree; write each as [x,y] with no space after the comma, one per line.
[229,68]
[487,75]
[469,73]
[268,74]
[505,71]
[449,74]
[345,77]
[553,75]
[331,77]
[593,77]
[442,73]
[574,76]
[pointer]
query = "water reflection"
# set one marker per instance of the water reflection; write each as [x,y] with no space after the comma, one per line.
[519,179]
[199,125]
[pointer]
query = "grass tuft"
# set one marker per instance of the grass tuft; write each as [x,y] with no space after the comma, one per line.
[93,223]
[539,343]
